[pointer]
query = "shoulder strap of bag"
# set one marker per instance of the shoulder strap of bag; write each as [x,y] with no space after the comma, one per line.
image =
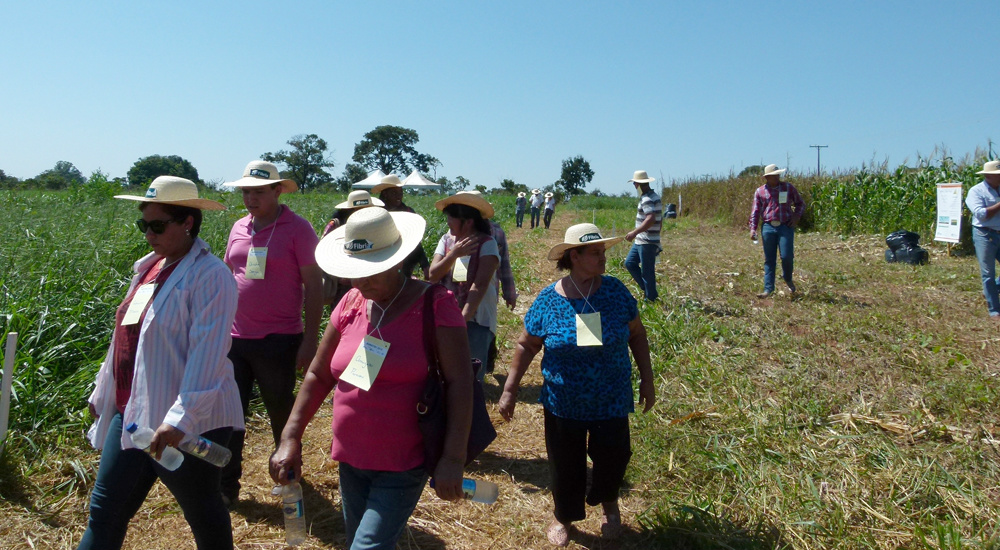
[430,336]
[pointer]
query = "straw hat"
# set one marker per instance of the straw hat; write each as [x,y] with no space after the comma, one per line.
[372,241]
[640,176]
[359,199]
[991,167]
[535,191]
[174,190]
[392,180]
[259,173]
[520,194]
[581,234]
[549,195]
[772,170]
[468,198]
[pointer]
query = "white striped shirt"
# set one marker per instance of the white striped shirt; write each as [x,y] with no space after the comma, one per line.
[182,376]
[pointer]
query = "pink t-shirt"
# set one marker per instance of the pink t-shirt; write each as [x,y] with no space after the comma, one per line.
[272,305]
[377,429]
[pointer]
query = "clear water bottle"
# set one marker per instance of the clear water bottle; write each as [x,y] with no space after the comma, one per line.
[170,458]
[204,449]
[294,510]
[481,490]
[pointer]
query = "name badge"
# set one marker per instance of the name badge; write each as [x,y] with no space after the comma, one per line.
[256,262]
[588,329]
[782,197]
[366,363]
[460,273]
[142,296]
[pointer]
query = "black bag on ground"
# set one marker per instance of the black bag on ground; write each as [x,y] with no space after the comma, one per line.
[899,239]
[913,255]
[890,256]
[671,210]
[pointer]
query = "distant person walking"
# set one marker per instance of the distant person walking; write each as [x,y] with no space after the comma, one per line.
[550,208]
[536,208]
[984,203]
[645,238]
[271,252]
[522,204]
[778,205]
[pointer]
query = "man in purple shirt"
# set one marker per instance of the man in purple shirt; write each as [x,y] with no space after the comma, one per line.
[778,205]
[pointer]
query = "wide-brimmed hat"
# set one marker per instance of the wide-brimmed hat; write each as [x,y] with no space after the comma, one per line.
[259,173]
[536,191]
[392,180]
[772,170]
[520,194]
[176,191]
[549,195]
[581,234]
[468,198]
[359,199]
[372,241]
[991,167]
[640,176]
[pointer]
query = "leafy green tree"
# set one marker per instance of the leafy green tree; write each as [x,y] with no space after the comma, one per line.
[453,186]
[352,173]
[62,176]
[392,149]
[8,182]
[576,174]
[752,170]
[306,161]
[509,186]
[147,169]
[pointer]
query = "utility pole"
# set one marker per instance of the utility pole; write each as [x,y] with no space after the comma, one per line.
[818,147]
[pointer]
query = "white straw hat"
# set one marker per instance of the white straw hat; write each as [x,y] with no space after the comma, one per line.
[549,195]
[174,190]
[372,241]
[468,198]
[536,191]
[991,167]
[359,199]
[520,194]
[392,180]
[581,234]
[772,170]
[640,176]
[259,173]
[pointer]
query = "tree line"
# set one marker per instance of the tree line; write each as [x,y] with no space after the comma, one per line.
[391,149]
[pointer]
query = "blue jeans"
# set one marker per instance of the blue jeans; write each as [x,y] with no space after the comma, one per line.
[640,263]
[535,217]
[125,477]
[377,504]
[987,247]
[548,217]
[777,239]
[480,338]
[520,216]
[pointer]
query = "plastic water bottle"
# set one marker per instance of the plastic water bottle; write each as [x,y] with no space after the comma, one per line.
[295,512]
[170,458]
[204,449]
[482,491]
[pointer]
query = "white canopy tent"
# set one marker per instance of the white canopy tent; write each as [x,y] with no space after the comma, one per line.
[373,179]
[416,180]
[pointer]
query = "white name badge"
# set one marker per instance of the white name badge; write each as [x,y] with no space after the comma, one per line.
[366,363]
[142,296]
[460,273]
[782,197]
[256,262]
[588,329]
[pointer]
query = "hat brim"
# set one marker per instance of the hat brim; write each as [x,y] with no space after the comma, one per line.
[468,199]
[558,250]
[287,186]
[646,180]
[985,172]
[776,172]
[331,257]
[346,205]
[383,186]
[200,204]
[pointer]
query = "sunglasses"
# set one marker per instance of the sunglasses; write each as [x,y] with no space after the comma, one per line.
[156,226]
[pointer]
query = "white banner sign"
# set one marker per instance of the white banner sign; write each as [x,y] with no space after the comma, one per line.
[949,212]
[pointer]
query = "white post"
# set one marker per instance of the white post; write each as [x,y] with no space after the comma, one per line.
[680,205]
[8,375]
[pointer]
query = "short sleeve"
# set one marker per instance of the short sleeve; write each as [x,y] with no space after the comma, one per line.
[305,242]
[489,248]
[446,311]
[440,250]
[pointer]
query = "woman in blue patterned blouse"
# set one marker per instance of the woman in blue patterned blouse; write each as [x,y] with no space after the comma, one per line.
[587,322]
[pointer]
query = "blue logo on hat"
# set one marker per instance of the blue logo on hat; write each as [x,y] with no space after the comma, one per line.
[150,193]
[256,172]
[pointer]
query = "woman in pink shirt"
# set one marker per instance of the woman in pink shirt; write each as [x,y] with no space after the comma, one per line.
[369,355]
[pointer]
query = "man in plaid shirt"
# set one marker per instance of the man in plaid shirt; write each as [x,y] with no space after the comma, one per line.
[778,205]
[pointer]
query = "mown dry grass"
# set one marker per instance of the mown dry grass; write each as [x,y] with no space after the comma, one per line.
[861,414]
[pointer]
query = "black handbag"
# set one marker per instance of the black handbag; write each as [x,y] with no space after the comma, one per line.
[431,407]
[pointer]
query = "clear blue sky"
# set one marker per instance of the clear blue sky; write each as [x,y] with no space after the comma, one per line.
[499,90]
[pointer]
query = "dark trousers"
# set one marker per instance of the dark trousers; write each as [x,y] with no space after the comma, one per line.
[519,213]
[548,217]
[535,217]
[609,448]
[270,361]
[125,477]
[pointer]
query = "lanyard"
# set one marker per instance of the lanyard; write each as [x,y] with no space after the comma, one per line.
[382,315]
